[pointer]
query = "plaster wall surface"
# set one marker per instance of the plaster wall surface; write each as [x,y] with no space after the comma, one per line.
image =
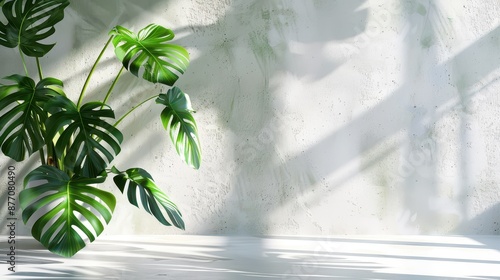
[316,117]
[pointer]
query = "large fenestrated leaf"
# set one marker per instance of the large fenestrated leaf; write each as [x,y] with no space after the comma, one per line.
[149,51]
[29,22]
[87,142]
[22,114]
[151,196]
[66,211]
[177,118]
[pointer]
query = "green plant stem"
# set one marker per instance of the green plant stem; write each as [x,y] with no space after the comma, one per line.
[41,151]
[39,67]
[132,109]
[24,62]
[108,94]
[42,156]
[51,154]
[85,85]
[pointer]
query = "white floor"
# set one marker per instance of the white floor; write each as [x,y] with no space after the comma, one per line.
[225,257]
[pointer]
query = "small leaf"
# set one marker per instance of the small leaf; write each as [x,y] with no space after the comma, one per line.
[177,118]
[61,205]
[84,130]
[29,22]
[161,62]
[22,114]
[137,179]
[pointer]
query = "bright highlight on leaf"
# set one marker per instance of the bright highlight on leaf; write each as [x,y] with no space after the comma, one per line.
[137,179]
[29,22]
[67,210]
[75,142]
[148,51]
[21,105]
[83,131]
[178,120]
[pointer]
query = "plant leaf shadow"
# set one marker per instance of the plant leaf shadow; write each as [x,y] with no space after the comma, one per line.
[231,257]
[377,125]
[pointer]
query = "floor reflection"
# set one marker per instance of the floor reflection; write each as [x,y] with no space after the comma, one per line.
[231,257]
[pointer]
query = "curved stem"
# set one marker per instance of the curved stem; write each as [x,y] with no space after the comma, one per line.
[133,108]
[39,67]
[112,87]
[24,62]
[85,85]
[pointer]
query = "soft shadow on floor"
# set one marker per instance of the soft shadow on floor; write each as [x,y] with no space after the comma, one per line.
[231,257]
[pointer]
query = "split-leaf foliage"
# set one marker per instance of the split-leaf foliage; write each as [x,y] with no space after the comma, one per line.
[63,200]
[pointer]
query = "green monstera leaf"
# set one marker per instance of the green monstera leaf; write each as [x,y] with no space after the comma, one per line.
[22,112]
[148,51]
[177,118]
[29,22]
[151,196]
[80,144]
[66,211]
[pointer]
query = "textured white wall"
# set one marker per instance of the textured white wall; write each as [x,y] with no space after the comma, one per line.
[316,117]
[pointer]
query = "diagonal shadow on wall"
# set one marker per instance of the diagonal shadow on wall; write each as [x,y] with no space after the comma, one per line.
[368,130]
[258,40]
[375,126]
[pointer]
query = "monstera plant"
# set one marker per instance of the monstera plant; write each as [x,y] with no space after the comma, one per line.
[76,142]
